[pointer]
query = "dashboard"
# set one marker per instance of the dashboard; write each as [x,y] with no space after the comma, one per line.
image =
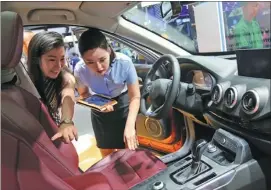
[239,104]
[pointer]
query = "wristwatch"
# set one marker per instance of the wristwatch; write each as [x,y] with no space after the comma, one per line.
[67,121]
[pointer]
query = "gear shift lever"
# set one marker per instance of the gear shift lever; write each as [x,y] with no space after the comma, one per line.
[196,166]
[197,151]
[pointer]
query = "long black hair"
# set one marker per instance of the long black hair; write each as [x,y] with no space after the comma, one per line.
[40,44]
[92,39]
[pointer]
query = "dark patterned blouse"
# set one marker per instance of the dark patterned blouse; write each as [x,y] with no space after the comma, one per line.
[52,99]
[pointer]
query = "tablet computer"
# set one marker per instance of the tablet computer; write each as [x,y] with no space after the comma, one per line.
[97,102]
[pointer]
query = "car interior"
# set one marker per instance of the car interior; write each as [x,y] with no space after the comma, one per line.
[213,112]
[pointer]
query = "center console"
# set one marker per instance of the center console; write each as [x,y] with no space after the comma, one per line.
[223,163]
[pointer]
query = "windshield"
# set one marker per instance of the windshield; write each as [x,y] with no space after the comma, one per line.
[204,27]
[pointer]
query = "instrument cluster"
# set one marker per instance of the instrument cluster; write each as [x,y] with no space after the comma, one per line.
[201,80]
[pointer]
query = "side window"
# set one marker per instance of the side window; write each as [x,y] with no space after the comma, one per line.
[136,57]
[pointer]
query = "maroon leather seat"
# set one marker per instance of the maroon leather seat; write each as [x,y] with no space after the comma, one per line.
[30,160]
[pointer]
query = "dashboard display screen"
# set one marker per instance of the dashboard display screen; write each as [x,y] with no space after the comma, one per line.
[254,63]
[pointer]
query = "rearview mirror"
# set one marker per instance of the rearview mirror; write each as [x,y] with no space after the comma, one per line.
[170,9]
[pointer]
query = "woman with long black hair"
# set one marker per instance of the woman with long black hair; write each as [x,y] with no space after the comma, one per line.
[55,84]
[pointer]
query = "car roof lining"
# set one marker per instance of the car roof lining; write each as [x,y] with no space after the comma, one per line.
[103,15]
[92,14]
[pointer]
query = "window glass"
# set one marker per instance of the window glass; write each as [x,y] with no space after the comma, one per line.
[136,57]
[207,26]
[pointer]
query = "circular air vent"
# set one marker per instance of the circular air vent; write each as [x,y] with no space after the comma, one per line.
[230,97]
[217,94]
[251,102]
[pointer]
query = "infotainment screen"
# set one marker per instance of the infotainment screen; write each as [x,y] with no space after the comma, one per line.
[254,63]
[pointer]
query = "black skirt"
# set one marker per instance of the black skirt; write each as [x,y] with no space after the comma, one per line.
[109,127]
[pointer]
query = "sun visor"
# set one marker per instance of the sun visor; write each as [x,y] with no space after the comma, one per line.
[55,15]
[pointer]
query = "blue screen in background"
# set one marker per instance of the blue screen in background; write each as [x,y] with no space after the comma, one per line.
[97,100]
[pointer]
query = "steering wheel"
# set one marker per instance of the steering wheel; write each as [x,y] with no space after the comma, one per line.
[162,92]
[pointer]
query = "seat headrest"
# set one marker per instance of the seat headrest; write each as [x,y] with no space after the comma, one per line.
[11,39]
[7,75]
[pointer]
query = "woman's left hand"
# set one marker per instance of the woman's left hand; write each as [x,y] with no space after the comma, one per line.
[67,132]
[130,137]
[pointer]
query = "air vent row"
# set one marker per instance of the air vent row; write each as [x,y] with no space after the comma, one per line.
[250,101]
[236,98]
